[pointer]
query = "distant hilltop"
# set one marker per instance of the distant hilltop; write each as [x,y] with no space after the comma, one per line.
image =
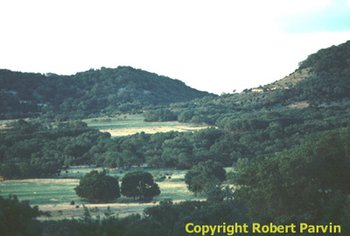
[95,92]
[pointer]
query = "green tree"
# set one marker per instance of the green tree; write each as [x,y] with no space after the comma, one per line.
[309,183]
[98,186]
[205,176]
[18,218]
[139,185]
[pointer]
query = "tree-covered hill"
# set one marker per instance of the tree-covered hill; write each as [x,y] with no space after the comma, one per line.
[255,123]
[322,80]
[94,92]
[289,144]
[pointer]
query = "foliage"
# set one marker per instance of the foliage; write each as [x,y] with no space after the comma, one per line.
[139,185]
[248,124]
[94,92]
[98,186]
[285,140]
[160,115]
[308,184]
[41,149]
[205,176]
[166,219]
[18,218]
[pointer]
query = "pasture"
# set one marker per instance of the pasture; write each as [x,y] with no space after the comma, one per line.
[128,124]
[55,195]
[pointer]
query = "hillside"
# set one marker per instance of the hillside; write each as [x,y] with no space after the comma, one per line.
[91,93]
[283,114]
[255,123]
[323,79]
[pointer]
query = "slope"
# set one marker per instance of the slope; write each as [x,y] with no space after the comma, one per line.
[90,93]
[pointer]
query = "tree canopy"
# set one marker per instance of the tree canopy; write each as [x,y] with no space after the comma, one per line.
[205,177]
[139,185]
[18,218]
[309,183]
[93,92]
[98,186]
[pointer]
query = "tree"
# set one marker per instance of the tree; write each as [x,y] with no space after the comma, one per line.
[98,186]
[205,176]
[305,184]
[18,218]
[139,185]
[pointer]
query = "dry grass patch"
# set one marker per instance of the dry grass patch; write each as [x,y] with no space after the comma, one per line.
[152,130]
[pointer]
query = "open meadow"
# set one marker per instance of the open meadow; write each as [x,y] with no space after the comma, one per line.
[128,124]
[57,195]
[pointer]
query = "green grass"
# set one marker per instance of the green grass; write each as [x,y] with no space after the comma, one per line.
[61,190]
[41,191]
[55,195]
[125,121]
[130,124]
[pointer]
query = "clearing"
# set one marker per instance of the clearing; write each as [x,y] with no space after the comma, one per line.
[128,124]
[55,195]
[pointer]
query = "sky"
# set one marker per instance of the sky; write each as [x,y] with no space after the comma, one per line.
[218,46]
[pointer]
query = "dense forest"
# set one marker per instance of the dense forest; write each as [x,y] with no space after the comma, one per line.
[288,143]
[90,93]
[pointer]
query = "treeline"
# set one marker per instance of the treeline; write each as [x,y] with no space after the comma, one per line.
[91,93]
[42,149]
[307,184]
[265,131]
[32,149]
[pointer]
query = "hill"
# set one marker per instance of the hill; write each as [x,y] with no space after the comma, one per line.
[281,115]
[91,93]
[323,79]
[257,122]
[286,142]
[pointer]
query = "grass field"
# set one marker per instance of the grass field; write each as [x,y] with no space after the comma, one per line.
[131,124]
[55,195]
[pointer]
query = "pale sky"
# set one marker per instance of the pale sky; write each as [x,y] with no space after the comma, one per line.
[216,46]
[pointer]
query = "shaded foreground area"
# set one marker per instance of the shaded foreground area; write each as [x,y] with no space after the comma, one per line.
[308,184]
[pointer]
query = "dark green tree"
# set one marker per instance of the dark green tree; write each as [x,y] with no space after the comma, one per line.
[139,185]
[205,176]
[309,183]
[18,218]
[98,186]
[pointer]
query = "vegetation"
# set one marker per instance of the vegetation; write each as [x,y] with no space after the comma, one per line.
[166,219]
[29,150]
[139,185]
[288,142]
[160,115]
[18,218]
[129,124]
[205,176]
[307,184]
[98,186]
[91,93]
